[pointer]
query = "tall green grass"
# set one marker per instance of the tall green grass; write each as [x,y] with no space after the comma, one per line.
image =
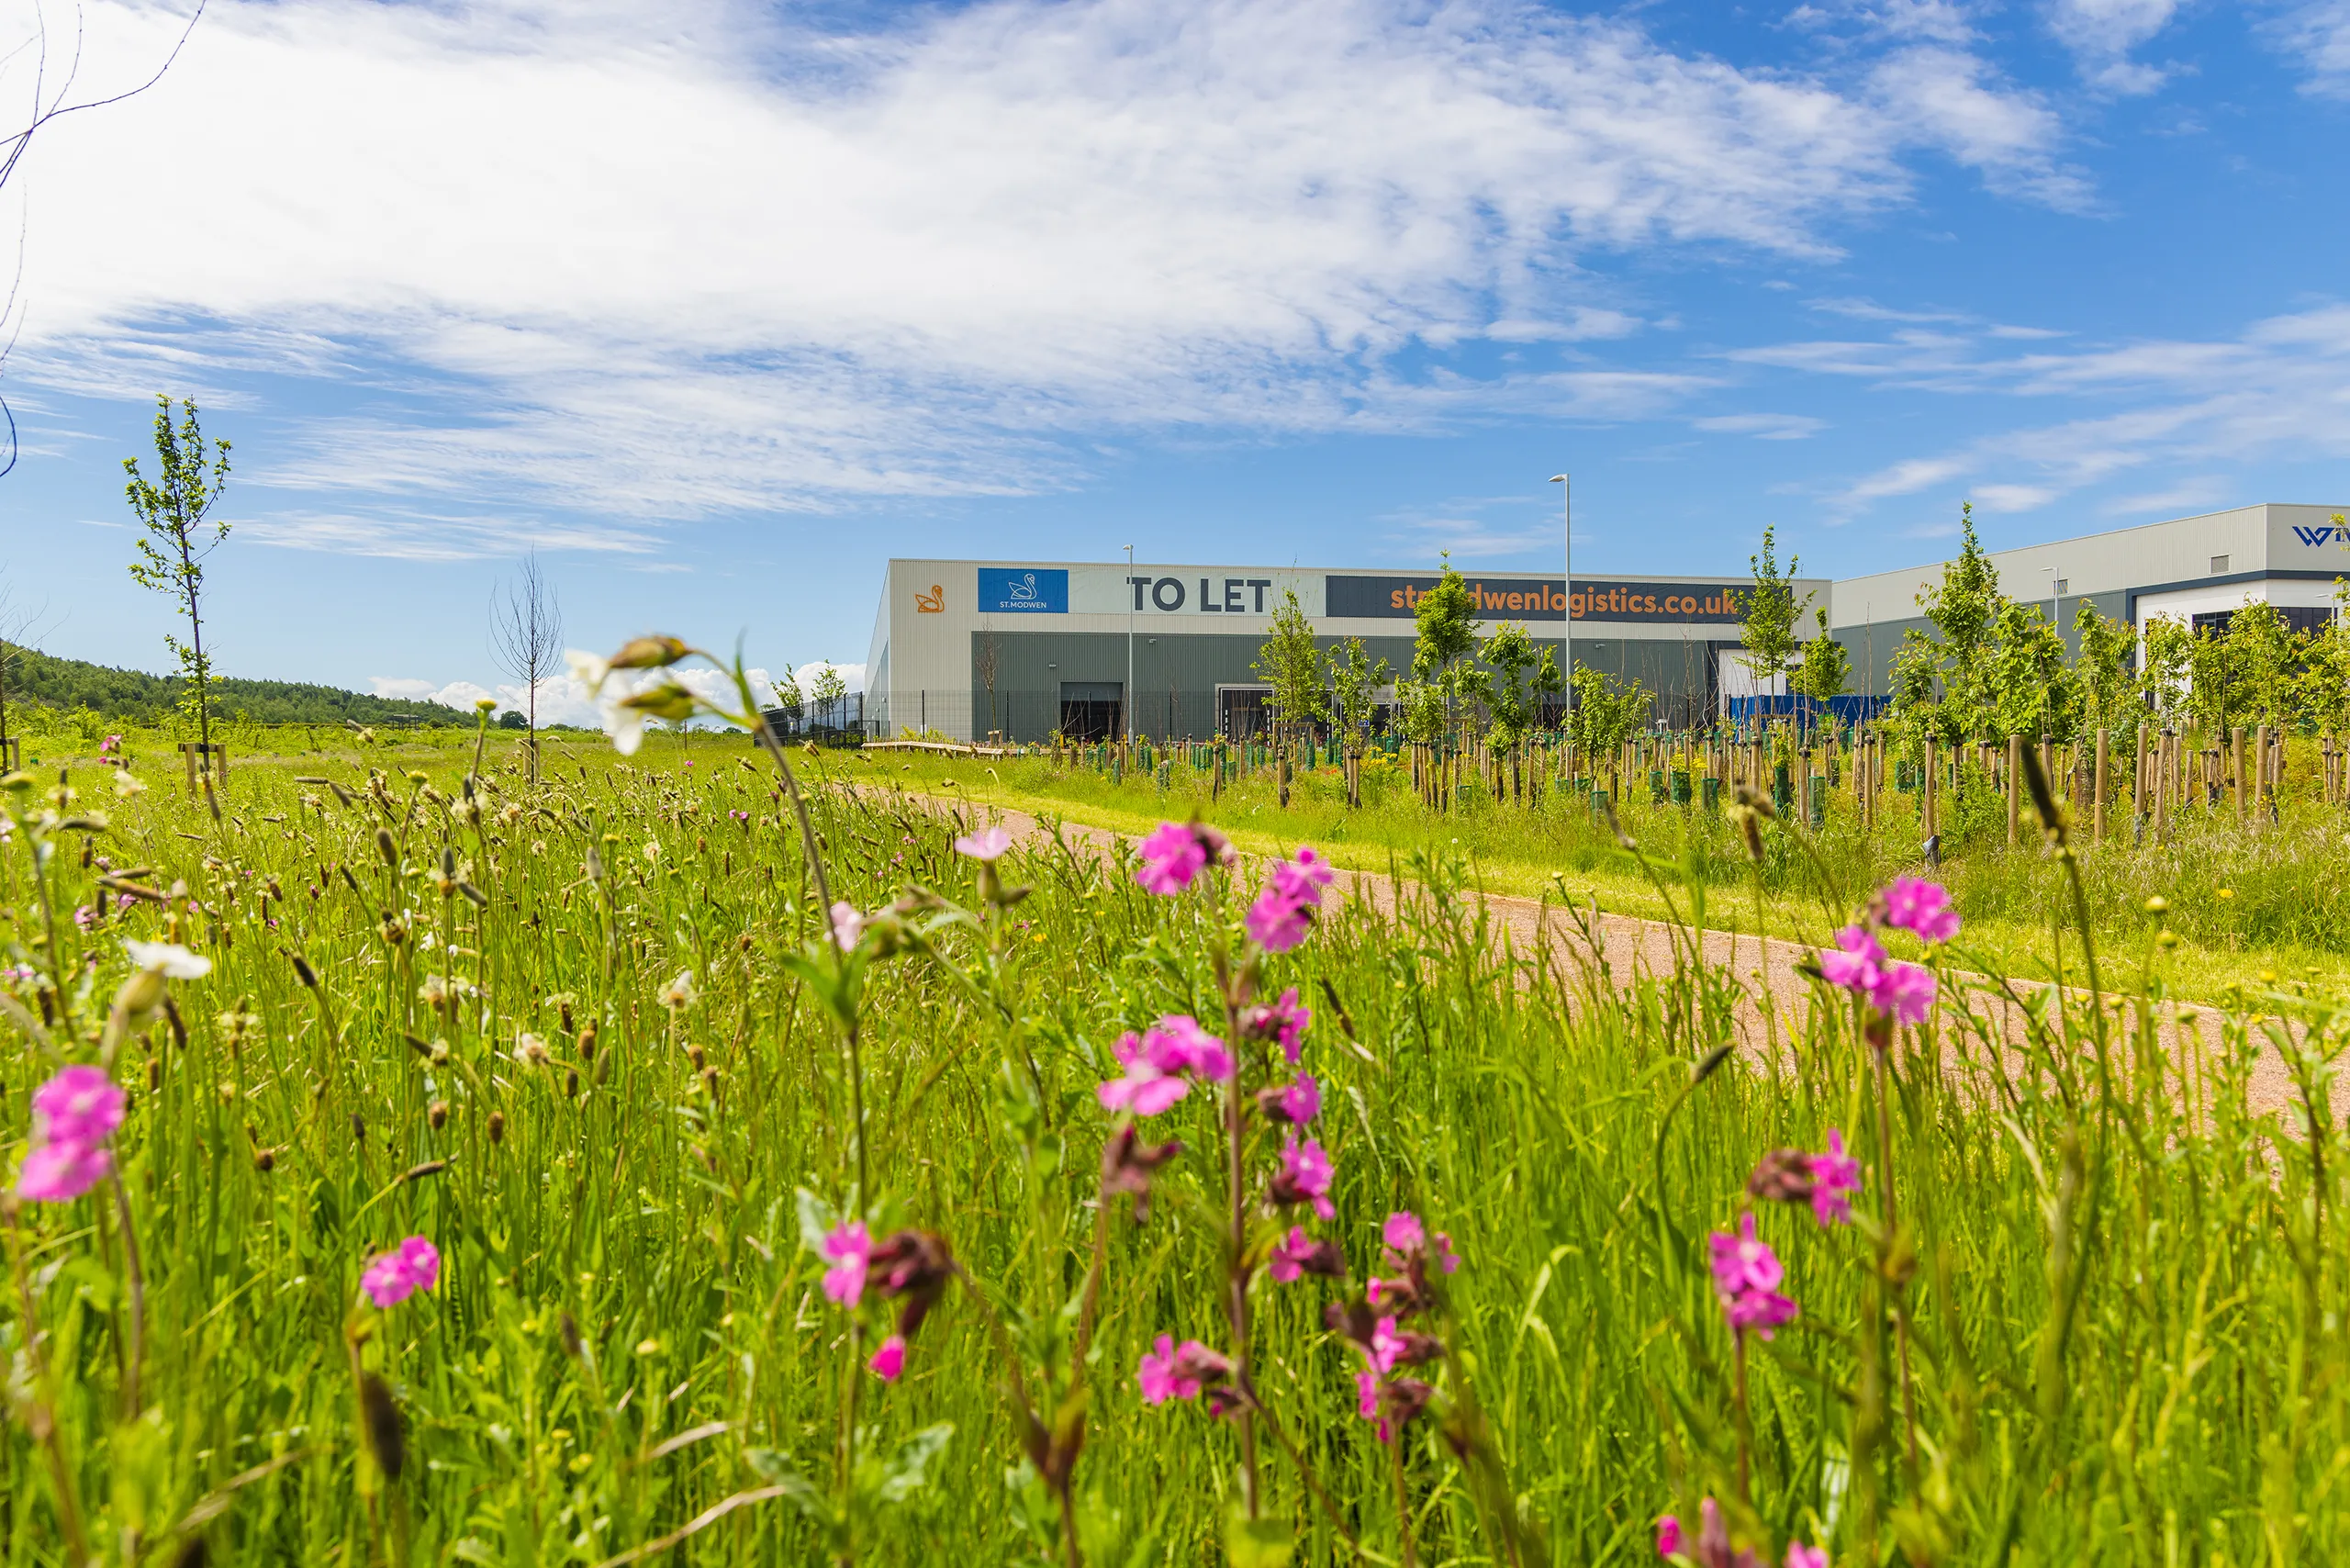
[2285,904]
[2121,1307]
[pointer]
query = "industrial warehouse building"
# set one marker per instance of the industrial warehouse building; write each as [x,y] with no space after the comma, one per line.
[1025,649]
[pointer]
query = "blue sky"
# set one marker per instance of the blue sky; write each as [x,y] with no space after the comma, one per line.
[717,305]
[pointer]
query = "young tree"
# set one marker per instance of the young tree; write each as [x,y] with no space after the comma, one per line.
[1605,715]
[830,698]
[790,703]
[1354,692]
[1769,629]
[1446,623]
[2164,676]
[1290,662]
[1919,713]
[2101,670]
[2267,657]
[526,628]
[2032,692]
[1825,671]
[1518,674]
[1966,613]
[2213,697]
[174,510]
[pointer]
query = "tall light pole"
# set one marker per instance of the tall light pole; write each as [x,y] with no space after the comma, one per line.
[1127,698]
[1567,670]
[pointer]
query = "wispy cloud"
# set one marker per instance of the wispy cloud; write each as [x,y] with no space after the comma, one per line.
[2280,387]
[2315,36]
[676,260]
[2102,33]
[1763,427]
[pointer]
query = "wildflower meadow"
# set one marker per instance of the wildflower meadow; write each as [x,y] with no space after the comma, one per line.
[722,1156]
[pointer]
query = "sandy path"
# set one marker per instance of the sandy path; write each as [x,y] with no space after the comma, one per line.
[1765,969]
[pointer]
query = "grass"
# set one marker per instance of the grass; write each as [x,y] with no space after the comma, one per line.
[2104,1325]
[2285,910]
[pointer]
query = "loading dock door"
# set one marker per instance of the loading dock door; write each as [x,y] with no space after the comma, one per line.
[1091,709]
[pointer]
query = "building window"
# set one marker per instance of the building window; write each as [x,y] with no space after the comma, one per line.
[2219,564]
[2064,587]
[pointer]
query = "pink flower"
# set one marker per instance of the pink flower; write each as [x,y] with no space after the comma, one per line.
[1746,1279]
[1834,1177]
[1302,1101]
[984,846]
[1177,852]
[851,1251]
[80,1105]
[1172,1371]
[1668,1536]
[1906,992]
[1283,1022]
[1445,1257]
[85,916]
[1742,1262]
[1903,991]
[1798,1554]
[1367,1398]
[1298,1253]
[1759,1311]
[392,1277]
[1386,1346]
[1156,1374]
[1189,1049]
[1277,923]
[1856,963]
[1303,879]
[1404,1232]
[1154,1080]
[1304,1176]
[890,1360]
[848,925]
[59,1171]
[1915,904]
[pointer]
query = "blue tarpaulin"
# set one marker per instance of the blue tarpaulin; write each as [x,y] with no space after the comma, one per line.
[1843,710]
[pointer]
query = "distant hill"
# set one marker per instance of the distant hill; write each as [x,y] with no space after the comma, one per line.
[134,697]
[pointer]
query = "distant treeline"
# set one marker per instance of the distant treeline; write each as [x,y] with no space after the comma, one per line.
[130,696]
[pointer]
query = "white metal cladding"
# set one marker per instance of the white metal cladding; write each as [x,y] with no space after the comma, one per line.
[2114,568]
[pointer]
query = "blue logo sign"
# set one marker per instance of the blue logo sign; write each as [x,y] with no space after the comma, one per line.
[1024,590]
[2315,536]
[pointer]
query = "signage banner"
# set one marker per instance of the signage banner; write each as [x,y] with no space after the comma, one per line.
[1024,590]
[1594,599]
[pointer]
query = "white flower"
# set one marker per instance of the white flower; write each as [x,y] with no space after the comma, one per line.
[168,958]
[626,726]
[679,992]
[847,924]
[589,669]
[653,851]
[126,785]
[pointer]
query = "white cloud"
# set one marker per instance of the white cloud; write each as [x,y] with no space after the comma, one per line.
[660,262]
[563,700]
[2101,33]
[2281,388]
[1952,99]
[2012,497]
[1764,427]
[2315,35]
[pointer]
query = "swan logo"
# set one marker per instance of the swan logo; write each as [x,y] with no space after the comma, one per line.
[1024,590]
[931,603]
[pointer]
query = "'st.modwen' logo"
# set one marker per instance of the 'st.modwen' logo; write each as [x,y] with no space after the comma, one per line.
[2331,532]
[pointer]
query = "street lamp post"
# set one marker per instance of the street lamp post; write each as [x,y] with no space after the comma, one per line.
[1567,661]
[1126,697]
